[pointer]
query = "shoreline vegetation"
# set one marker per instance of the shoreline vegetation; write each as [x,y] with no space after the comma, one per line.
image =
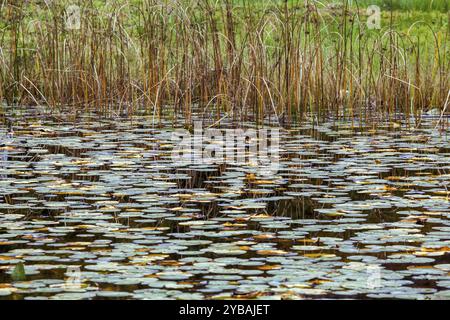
[243,60]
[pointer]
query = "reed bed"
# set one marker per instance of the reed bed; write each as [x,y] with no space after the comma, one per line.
[246,60]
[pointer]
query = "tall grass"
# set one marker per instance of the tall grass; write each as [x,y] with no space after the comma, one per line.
[246,60]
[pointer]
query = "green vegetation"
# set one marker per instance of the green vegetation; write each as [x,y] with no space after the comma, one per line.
[419,5]
[243,59]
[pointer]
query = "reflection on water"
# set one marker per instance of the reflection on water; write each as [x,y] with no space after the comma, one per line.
[97,209]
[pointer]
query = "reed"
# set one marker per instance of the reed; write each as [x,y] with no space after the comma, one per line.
[246,60]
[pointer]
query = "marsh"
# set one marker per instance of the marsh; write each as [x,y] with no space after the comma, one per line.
[353,201]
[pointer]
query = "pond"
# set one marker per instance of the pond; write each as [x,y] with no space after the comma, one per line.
[96,209]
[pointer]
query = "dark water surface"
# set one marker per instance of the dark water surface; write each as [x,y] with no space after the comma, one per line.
[97,209]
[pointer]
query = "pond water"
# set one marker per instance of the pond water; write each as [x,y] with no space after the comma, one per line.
[96,209]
